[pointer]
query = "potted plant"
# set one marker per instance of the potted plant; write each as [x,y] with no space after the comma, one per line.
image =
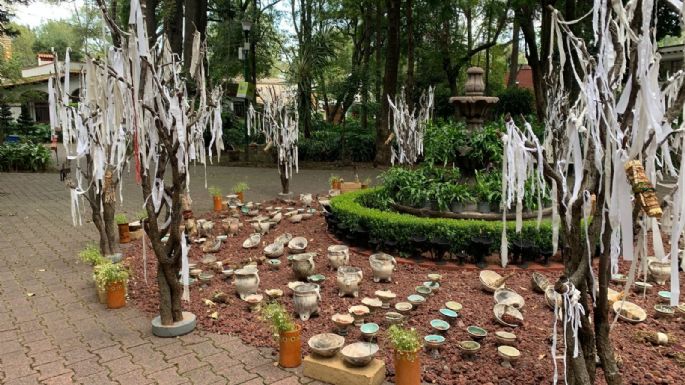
[406,345]
[239,189]
[335,182]
[215,192]
[91,255]
[113,276]
[366,183]
[122,224]
[283,325]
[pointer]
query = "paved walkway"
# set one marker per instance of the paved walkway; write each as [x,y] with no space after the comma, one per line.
[53,330]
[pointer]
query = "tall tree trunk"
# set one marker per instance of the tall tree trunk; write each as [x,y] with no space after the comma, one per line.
[409,85]
[304,85]
[116,38]
[173,24]
[365,73]
[285,182]
[379,56]
[514,60]
[150,11]
[392,58]
[254,38]
[529,35]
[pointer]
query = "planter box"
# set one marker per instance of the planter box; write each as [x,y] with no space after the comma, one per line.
[350,186]
[334,371]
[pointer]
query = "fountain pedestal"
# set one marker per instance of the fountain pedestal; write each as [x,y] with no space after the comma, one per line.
[474,106]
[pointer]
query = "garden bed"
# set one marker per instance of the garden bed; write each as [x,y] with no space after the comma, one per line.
[642,363]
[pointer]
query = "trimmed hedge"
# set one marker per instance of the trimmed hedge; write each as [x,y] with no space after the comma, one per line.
[349,209]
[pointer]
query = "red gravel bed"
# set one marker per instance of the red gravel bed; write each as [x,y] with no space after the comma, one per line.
[643,363]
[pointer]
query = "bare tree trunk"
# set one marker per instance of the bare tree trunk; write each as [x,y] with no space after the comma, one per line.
[173,24]
[392,58]
[285,182]
[379,55]
[150,8]
[514,60]
[116,39]
[409,87]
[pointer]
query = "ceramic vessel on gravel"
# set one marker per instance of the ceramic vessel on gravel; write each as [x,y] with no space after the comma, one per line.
[348,280]
[303,265]
[382,265]
[306,299]
[338,255]
[246,282]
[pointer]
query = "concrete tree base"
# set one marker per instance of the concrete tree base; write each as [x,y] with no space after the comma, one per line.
[180,328]
[334,371]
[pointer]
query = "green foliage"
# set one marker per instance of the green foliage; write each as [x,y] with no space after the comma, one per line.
[60,35]
[24,157]
[240,187]
[6,119]
[25,123]
[426,183]
[515,101]
[277,315]
[214,191]
[402,227]
[109,273]
[404,339]
[488,187]
[449,142]
[142,214]
[333,179]
[91,255]
[330,143]
[120,219]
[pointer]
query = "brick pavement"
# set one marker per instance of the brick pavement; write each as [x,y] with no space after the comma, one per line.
[62,335]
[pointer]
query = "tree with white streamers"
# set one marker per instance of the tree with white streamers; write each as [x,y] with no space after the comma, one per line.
[137,95]
[279,124]
[609,140]
[408,126]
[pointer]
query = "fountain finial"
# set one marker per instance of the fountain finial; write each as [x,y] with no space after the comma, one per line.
[473,106]
[474,83]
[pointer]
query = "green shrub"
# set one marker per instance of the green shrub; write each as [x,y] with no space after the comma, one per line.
[515,101]
[330,143]
[109,273]
[91,255]
[404,339]
[451,143]
[120,219]
[24,157]
[279,317]
[402,227]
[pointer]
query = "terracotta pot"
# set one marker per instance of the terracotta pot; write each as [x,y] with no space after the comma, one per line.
[124,235]
[290,348]
[336,185]
[407,368]
[241,196]
[218,204]
[116,295]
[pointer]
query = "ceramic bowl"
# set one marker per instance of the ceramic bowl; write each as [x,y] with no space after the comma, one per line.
[274,263]
[629,311]
[195,272]
[508,353]
[392,318]
[439,325]
[468,347]
[449,315]
[359,353]
[664,296]
[662,310]
[316,278]
[509,297]
[206,276]
[618,278]
[326,344]
[342,320]
[434,341]
[434,286]
[642,287]
[416,300]
[477,333]
[505,338]
[372,303]
[273,293]
[227,273]
[434,277]
[423,290]
[455,306]
[369,330]
[403,307]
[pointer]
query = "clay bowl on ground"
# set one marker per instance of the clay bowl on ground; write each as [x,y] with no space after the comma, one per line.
[297,245]
[415,300]
[477,333]
[663,311]
[195,272]
[372,303]
[642,287]
[434,277]
[274,250]
[449,315]
[316,278]
[403,307]
[393,318]
[274,264]
[273,293]
[439,325]
[326,344]
[509,297]
[434,286]
[507,315]
[468,348]
[551,297]
[664,296]
[359,353]
[227,273]
[489,281]
[539,282]
[505,338]
[369,330]
[629,311]
[423,290]
[252,241]
[284,238]
[455,306]
[434,341]
[618,279]
[508,353]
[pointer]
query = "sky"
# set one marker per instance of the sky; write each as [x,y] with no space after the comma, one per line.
[38,12]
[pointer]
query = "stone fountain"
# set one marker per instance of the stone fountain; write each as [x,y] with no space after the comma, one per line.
[474,106]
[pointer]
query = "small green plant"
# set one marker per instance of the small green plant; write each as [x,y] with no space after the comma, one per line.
[334,179]
[142,214]
[240,187]
[404,339]
[91,255]
[214,191]
[367,182]
[109,273]
[276,314]
[121,219]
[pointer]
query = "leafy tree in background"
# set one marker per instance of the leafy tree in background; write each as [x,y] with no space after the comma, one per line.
[6,119]
[6,14]
[60,34]
[25,122]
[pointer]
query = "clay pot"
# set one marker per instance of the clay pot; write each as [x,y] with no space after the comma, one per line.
[290,348]
[407,368]
[116,295]
[241,196]
[124,235]
[303,265]
[246,282]
[338,255]
[336,185]
[348,280]
[306,299]
[218,204]
[659,272]
[382,265]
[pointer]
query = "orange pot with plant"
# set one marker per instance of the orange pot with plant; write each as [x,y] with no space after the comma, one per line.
[215,192]
[122,224]
[239,190]
[116,295]
[335,182]
[407,346]
[113,276]
[289,339]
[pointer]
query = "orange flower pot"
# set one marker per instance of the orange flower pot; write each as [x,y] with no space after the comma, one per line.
[116,295]
[218,204]
[124,235]
[290,350]
[241,196]
[336,185]
[407,368]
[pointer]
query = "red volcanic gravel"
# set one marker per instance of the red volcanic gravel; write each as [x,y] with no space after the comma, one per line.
[643,363]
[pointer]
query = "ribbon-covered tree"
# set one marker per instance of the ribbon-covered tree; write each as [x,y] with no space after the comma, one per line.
[610,137]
